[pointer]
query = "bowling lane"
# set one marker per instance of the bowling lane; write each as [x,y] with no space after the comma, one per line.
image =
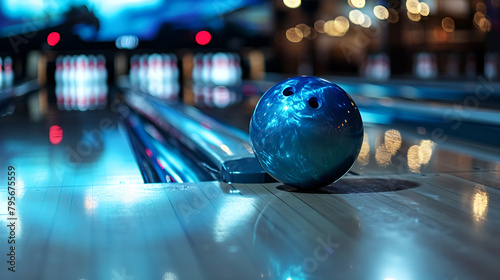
[214,230]
[53,147]
[409,200]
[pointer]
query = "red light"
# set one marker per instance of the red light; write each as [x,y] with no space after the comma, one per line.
[55,134]
[203,37]
[53,38]
[149,152]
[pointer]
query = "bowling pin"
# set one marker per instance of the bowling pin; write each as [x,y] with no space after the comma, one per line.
[134,70]
[143,70]
[221,97]
[94,72]
[236,67]
[65,70]
[166,68]
[101,69]
[206,71]
[8,72]
[174,67]
[197,68]
[220,72]
[59,70]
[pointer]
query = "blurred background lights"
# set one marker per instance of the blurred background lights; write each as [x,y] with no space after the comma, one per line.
[294,35]
[203,37]
[319,26]
[393,16]
[380,12]
[53,38]
[412,6]
[332,30]
[292,3]
[424,9]
[478,16]
[480,20]
[356,3]
[413,17]
[367,21]
[305,29]
[341,24]
[448,24]
[485,25]
[127,42]
[356,17]
[481,7]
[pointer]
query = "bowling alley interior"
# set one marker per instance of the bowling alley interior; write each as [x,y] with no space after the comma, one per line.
[250,139]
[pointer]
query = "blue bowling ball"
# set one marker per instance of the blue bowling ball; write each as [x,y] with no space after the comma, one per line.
[306,132]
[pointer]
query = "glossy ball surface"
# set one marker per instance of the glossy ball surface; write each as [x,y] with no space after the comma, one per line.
[306,132]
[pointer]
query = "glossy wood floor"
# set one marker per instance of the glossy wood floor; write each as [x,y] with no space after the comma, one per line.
[412,208]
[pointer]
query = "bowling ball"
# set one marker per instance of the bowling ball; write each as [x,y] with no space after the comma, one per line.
[306,132]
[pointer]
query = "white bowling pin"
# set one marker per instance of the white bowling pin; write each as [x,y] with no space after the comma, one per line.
[134,70]
[197,68]
[143,70]
[101,69]
[8,72]
[221,74]
[206,71]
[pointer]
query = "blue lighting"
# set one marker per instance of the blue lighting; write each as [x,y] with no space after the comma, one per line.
[142,18]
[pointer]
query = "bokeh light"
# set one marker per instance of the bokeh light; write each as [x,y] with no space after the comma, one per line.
[412,6]
[367,21]
[393,16]
[380,12]
[305,29]
[477,18]
[448,24]
[481,7]
[294,35]
[485,25]
[424,9]
[341,24]
[203,37]
[356,3]
[292,3]
[481,22]
[337,27]
[127,42]
[53,38]
[330,28]
[413,17]
[319,26]
[356,17]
